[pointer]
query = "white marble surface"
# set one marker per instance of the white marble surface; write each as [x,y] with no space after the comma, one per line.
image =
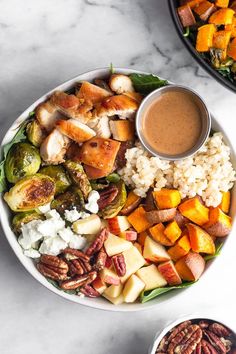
[43,43]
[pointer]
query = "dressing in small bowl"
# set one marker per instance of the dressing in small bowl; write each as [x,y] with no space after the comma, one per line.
[173,122]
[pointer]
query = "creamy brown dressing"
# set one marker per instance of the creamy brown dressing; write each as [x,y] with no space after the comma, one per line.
[172,123]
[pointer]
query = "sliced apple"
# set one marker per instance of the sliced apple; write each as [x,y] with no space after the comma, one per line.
[118,224]
[151,276]
[109,276]
[99,285]
[129,235]
[154,251]
[133,261]
[114,290]
[133,288]
[115,300]
[168,271]
[139,247]
[87,226]
[115,245]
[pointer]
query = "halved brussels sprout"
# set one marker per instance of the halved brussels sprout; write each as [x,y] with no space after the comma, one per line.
[73,197]
[24,218]
[78,176]
[58,174]
[35,133]
[30,193]
[114,207]
[23,159]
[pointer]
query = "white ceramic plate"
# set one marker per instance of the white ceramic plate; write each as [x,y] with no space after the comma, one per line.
[99,303]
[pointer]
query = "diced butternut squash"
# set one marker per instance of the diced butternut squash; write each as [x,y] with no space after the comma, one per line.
[138,220]
[219,223]
[157,233]
[131,203]
[200,240]
[232,49]
[204,10]
[173,231]
[225,202]
[191,3]
[141,238]
[221,39]
[232,27]
[222,3]
[190,267]
[180,249]
[195,211]
[222,17]
[167,198]
[205,37]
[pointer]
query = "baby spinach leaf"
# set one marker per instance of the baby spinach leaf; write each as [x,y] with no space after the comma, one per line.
[216,254]
[147,83]
[19,136]
[149,295]
[54,283]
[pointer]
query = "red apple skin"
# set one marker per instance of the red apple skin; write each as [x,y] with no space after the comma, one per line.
[98,284]
[131,235]
[110,280]
[168,271]
[114,226]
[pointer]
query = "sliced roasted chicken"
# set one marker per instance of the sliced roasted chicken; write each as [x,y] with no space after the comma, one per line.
[75,130]
[120,105]
[122,130]
[120,83]
[53,148]
[72,106]
[101,127]
[47,114]
[93,93]
[99,153]
[135,96]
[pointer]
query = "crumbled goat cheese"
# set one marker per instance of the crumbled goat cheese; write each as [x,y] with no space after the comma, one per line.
[52,233]
[72,215]
[32,253]
[52,246]
[92,204]
[45,208]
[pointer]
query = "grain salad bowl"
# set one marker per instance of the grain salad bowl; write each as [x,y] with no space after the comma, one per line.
[98,303]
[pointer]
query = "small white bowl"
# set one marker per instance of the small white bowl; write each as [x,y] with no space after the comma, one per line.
[161,333]
[5,214]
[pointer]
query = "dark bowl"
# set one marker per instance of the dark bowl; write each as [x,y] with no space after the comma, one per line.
[173,4]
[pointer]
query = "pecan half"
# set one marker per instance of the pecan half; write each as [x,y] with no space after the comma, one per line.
[119,264]
[203,324]
[215,341]
[54,261]
[78,280]
[178,329]
[75,253]
[219,330]
[185,341]
[89,291]
[107,196]
[51,272]
[76,267]
[162,345]
[97,244]
[101,259]
[198,349]
[207,348]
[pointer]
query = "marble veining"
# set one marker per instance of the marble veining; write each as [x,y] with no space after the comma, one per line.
[44,43]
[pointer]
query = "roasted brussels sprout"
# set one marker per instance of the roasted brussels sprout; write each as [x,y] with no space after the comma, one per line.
[24,218]
[35,133]
[30,193]
[58,174]
[73,197]
[78,176]
[113,178]
[117,204]
[23,159]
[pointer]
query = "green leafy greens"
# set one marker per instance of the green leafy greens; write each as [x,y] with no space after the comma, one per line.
[147,83]
[54,283]
[19,136]
[149,295]
[216,254]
